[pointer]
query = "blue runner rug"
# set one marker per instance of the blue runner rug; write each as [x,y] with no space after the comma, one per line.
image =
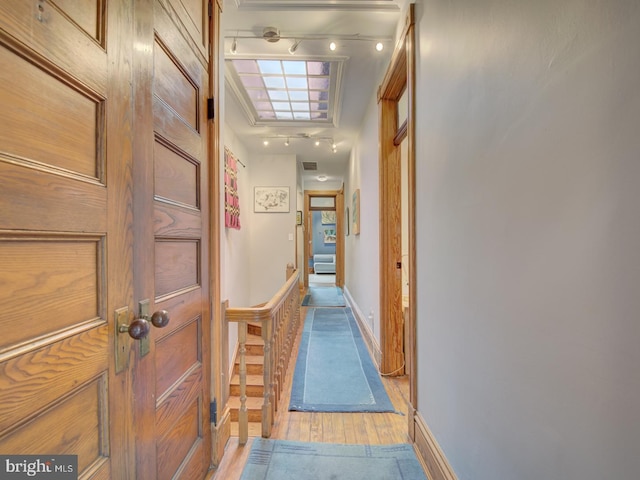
[324,297]
[334,372]
[286,460]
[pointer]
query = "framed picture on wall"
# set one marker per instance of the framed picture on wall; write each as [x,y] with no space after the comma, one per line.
[347,225]
[271,199]
[328,217]
[355,212]
[299,217]
[329,235]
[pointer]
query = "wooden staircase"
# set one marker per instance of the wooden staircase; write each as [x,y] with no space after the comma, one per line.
[255,380]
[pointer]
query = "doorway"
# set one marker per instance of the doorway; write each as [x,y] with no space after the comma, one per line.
[397,212]
[323,252]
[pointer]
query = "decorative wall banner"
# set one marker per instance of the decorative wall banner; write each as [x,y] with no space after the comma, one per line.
[231,200]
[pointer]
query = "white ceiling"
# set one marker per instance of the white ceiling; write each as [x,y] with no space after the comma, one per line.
[354,24]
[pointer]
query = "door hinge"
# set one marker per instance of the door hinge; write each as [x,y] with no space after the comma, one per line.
[210,109]
[213,412]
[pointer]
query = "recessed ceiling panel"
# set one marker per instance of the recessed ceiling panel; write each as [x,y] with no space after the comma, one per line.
[318,4]
[278,91]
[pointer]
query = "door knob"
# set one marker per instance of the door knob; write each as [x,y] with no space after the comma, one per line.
[140,327]
[160,319]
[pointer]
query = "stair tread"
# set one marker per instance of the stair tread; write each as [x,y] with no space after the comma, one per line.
[254,339]
[255,380]
[253,359]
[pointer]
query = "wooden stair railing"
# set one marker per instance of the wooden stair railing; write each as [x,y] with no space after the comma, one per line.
[279,319]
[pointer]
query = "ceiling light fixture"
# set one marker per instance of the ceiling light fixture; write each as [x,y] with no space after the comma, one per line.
[234,47]
[317,143]
[286,142]
[271,34]
[322,178]
[265,142]
[294,46]
[332,46]
[379,46]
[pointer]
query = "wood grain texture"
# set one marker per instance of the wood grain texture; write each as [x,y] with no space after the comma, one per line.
[58,278]
[172,245]
[176,265]
[74,426]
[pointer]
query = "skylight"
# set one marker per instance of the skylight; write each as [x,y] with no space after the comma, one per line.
[280,91]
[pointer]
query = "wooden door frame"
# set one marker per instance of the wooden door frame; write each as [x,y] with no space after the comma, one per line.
[339,206]
[221,424]
[400,77]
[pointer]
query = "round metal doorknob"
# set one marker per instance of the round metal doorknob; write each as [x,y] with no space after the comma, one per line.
[160,318]
[138,329]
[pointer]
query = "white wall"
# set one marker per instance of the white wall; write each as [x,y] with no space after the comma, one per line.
[272,242]
[235,271]
[362,271]
[528,165]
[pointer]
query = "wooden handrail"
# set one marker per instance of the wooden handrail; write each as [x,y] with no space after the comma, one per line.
[279,319]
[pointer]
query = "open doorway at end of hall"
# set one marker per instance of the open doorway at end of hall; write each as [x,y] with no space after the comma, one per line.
[323,243]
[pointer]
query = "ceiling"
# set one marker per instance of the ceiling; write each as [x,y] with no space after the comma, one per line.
[355,26]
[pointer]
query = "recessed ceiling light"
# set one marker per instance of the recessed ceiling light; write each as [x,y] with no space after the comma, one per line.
[265,142]
[322,178]
[317,143]
[332,46]
[379,46]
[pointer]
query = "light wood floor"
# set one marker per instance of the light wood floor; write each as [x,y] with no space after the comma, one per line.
[350,428]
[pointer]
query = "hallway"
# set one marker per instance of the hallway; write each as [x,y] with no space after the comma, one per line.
[347,428]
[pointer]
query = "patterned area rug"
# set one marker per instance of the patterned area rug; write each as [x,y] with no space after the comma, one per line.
[334,372]
[286,460]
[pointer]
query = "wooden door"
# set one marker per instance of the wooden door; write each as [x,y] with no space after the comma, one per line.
[65,232]
[172,238]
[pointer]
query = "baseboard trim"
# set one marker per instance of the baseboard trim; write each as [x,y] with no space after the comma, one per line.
[429,452]
[369,339]
[220,435]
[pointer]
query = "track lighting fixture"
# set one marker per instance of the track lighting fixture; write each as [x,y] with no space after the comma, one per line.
[294,47]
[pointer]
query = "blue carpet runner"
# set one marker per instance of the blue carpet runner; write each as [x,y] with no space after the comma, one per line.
[324,297]
[287,460]
[334,372]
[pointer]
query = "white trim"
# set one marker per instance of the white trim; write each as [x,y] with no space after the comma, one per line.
[367,334]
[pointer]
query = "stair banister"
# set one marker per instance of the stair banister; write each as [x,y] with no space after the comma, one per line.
[279,319]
